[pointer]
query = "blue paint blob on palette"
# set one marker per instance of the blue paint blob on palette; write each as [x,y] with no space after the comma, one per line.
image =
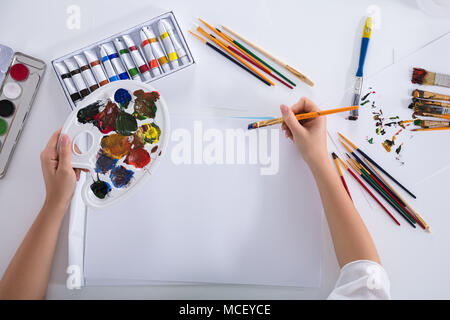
[118,133]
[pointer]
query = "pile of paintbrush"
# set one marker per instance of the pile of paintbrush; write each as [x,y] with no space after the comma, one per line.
[246,59]
[362,167]
[430,104]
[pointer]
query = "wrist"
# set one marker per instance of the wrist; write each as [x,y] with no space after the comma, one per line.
[319,165]
[55,206]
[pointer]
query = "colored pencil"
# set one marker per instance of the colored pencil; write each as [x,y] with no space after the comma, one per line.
[213,39]
[370,192]
[254,56]
[419,218]
[300,116]
[227,56]
[252,62]
[335,159]
[376,164]
[297,73]
[431,129]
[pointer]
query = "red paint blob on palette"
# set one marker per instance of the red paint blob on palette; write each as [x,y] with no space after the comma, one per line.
[19,72]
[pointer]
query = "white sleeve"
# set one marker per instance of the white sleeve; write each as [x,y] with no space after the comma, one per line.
[362,280]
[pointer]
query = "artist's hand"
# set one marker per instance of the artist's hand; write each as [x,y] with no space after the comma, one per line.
[59,176]
[309,135]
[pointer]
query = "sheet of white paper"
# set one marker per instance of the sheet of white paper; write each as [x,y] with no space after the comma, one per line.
[423,153]
[213,223]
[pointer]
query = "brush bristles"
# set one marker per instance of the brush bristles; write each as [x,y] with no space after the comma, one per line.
[422,76]
[334,155]
[253,125]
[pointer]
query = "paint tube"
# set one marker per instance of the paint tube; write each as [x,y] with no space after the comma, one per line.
[115,60]
[152,62]
[143,68]
[182,54]
[77,78]
[67,79]
[157,50]
[86,72]
[96,67]
[167,43]
[125,55]
[108,66]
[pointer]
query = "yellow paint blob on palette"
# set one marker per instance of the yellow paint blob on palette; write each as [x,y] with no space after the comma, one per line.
[118,133]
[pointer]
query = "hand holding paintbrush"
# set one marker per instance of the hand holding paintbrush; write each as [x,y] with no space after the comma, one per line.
[308,135]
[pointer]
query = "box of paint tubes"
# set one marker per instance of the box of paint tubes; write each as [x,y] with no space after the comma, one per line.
[146,52]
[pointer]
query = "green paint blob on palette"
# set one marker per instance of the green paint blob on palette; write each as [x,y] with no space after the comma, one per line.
[118,133]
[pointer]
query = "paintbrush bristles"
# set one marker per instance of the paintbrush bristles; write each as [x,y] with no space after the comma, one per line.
[334,155]
[422,76]
[197,36]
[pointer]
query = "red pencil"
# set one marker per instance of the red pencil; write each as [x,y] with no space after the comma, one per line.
[373,196]
[335,159]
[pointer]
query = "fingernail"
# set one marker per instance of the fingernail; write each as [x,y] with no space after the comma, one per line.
[64,139]
[283,108]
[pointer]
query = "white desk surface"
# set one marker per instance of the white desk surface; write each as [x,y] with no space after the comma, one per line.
[319,37]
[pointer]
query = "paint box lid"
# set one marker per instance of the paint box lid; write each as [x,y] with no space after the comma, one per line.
[6,55]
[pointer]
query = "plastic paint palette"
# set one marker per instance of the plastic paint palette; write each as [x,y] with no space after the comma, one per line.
[118,133]
[146,52]
[20,76]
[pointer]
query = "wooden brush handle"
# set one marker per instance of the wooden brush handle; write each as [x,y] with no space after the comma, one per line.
[299,75]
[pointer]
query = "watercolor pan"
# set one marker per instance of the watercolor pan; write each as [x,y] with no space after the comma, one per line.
[122,130]
[119,61]
[20,77]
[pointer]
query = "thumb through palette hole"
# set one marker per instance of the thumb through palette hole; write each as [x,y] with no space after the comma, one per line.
[83,143]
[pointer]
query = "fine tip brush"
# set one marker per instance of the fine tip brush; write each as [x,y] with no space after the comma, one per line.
[225,55]
[300,116]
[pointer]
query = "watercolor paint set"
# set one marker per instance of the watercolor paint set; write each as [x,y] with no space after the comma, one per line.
[20,77]
[146,52]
